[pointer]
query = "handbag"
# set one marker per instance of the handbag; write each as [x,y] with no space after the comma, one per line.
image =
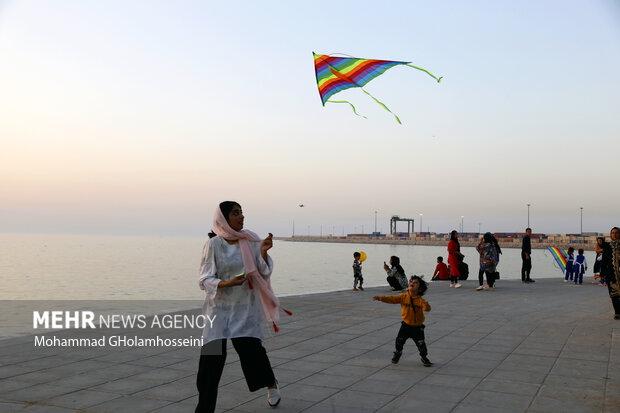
[496,275]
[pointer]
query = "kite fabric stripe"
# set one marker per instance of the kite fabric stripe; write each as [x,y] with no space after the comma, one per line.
[335,74]
[560,256]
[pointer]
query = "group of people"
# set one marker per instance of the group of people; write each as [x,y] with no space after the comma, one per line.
[235,274]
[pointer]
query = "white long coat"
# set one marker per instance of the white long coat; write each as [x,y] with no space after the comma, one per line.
[237,311]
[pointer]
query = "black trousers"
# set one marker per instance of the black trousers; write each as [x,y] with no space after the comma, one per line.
[526,266]
[394,283]
[416,333]
[615,301]
[254,363]
[490,277]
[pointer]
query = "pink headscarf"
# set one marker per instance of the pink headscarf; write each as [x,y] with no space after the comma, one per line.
[270,302]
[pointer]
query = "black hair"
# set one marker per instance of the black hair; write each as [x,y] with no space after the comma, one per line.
[356,254]
[228,206]
[454,238]
[396,264]
[423,284]
[490,238]
[527,229]
[440,258]
[212,234]
[580,251]
[571,250]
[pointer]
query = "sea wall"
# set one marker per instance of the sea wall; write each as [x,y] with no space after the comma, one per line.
[588,243]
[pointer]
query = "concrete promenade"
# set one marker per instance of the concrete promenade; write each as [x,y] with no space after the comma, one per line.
[544,347]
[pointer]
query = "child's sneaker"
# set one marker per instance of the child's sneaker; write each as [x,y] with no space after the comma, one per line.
[451,285]
[457,285]
[480,288]
[396,357]
[354,289]
[426,361]
[361,288]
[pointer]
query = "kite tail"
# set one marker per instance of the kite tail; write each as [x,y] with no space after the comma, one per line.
[424,70]
[350,104]
[384,107]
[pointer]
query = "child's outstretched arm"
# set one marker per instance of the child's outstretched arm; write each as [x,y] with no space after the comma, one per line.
[390,299]
[426,306]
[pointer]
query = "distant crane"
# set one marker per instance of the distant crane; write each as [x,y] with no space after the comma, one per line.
[396,218]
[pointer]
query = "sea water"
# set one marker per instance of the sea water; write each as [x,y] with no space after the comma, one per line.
[76,267]
[157,274]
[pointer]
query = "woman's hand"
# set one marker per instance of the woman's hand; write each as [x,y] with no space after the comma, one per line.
[238,280]
[385,267]
[266,246]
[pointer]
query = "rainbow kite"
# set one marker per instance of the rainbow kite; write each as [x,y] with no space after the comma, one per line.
[334,74]
[560,256]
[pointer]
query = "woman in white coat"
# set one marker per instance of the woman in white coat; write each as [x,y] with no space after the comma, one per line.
[235,275]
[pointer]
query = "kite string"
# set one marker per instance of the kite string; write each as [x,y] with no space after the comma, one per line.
[382,104]
[344,54]
[350,104]
[426,71]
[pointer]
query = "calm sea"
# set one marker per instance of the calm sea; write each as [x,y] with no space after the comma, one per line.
[71,267]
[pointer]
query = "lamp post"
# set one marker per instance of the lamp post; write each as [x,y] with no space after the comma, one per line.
[462,227]
[528,215]
[375,221]
[421,222]
[479,226]
[581,208]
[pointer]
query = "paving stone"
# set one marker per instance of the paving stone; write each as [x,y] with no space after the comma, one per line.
[530,354]
[546,404]
[80,399]
[128,404]
[37,393]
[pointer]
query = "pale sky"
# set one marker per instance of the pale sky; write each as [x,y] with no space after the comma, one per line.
[139,117]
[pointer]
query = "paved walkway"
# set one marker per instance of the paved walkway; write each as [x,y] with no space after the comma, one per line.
[545,347]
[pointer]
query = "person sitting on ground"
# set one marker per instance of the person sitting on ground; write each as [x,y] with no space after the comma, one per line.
[412,307]
[396,275]
[441,270]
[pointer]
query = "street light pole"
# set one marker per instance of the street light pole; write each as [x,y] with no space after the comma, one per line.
[462,226]
[421,223]
[479,226]
[581,208]
[375,221]
[528,215]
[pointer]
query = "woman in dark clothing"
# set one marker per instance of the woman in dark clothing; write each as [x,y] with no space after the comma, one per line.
[600,241]
[610,269]
[396,275]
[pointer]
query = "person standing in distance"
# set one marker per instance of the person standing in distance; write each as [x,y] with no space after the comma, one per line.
[526,257]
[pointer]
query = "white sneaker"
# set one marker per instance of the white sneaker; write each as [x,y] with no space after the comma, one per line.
[273,395]
[457,285]
[451,285]
[480,288]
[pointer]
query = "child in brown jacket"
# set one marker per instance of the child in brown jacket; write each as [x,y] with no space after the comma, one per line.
[412,308]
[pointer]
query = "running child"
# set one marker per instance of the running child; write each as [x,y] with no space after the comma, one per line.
[357,271]
[412,307]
